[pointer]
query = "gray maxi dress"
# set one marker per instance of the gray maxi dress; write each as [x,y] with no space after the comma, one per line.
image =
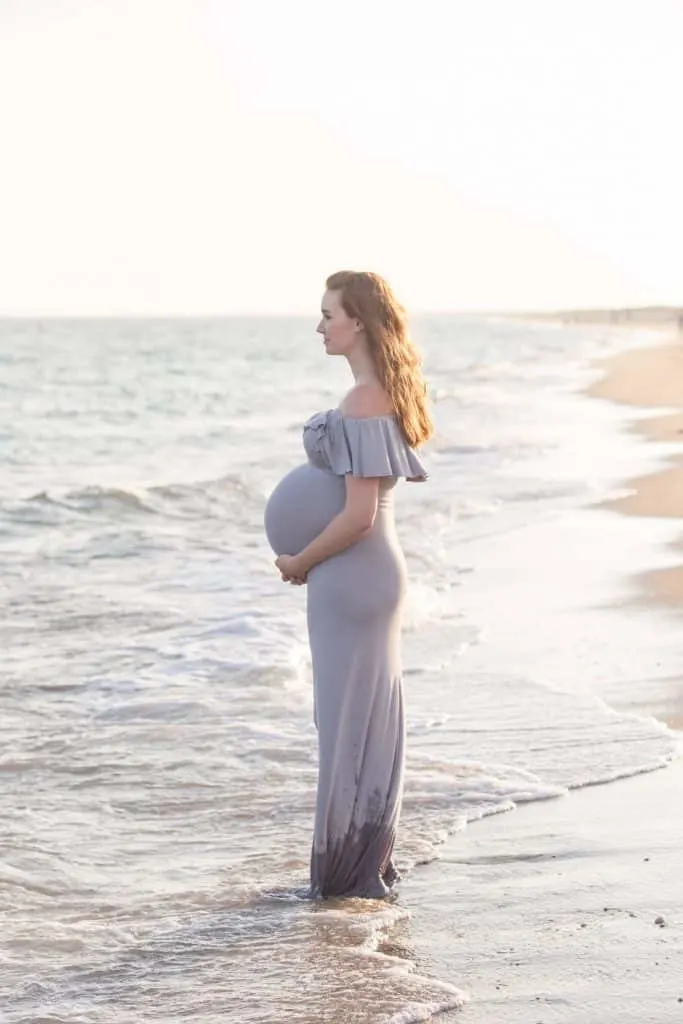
[354,609]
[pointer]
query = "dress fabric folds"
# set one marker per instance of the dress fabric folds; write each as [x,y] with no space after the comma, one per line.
[354,605]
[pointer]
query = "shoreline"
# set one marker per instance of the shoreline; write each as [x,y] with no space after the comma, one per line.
[564,911]
[571,909]
[652,379]
[666,318]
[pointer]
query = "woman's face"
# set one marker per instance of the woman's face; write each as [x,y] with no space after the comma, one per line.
[340,332]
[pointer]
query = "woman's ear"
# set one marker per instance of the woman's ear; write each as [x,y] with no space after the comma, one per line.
[359,326]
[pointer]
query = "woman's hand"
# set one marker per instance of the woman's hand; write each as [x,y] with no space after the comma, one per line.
[290,569]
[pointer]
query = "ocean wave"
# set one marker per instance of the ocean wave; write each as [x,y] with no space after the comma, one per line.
[93,498]
[199,500]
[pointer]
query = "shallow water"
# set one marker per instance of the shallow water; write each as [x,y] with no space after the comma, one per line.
[158,757]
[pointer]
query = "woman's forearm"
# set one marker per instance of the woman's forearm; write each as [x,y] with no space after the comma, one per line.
[339,534]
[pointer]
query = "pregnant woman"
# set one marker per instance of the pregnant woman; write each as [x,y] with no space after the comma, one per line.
[331,522]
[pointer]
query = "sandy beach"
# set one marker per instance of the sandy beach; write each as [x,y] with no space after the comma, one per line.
[653,378]
[594,879]
[595,876]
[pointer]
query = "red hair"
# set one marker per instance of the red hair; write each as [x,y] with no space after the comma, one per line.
[368,298]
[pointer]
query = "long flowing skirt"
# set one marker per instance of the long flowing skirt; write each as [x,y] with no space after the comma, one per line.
[354,623]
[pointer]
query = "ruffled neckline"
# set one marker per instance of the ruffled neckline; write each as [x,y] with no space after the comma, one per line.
[363,445]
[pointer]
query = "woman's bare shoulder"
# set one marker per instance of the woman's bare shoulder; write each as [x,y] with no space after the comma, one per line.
[365,400]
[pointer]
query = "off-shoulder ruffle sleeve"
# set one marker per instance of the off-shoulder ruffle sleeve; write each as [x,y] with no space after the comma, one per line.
[368,447]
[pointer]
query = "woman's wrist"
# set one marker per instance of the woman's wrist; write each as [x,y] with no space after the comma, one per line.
[300,566]
[335,538]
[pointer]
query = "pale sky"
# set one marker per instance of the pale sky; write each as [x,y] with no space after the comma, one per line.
[225,156]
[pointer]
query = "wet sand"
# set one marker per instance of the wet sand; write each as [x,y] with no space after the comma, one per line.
[566,912]
[571,910]
[652,378]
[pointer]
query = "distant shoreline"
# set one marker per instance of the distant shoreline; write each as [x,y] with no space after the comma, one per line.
[665,317]
[652,379]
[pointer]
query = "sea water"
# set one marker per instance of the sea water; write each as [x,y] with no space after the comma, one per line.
[158,757]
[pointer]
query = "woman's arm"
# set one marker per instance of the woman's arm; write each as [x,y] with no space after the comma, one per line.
[347,528]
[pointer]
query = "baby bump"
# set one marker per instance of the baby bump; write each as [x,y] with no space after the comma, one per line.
[301,506]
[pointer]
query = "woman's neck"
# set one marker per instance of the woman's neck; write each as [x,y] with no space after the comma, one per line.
[362,366]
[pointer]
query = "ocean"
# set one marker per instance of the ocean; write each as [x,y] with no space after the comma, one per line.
[158,758]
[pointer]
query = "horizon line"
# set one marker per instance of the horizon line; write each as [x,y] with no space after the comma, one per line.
[243,315]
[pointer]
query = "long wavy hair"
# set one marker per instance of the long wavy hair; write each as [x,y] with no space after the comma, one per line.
[368,298]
